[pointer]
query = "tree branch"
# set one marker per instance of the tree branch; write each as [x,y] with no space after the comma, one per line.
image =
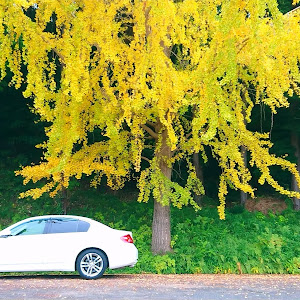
[60,56]
[188,135]
[150,131]
[151,124]
[243,44]
[146,159]
[48,40]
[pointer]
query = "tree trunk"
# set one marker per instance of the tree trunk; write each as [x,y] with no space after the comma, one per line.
[295,187]
[65,200]
[243,197]
[296,201]
[199,173]
[161,228]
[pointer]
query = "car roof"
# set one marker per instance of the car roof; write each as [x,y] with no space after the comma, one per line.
[59,216]
[90,221]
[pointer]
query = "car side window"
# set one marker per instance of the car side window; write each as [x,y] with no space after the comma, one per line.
[30,228]
[83,226]
[67,225]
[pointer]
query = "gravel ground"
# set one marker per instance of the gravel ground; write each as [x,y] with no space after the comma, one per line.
[166,287]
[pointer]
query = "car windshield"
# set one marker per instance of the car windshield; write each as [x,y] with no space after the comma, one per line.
[29,228]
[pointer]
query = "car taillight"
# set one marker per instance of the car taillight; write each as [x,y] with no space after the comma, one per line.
[127,238]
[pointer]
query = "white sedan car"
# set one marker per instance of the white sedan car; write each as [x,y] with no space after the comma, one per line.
[65,243]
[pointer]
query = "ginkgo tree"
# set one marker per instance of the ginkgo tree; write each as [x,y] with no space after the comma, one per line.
[174,77]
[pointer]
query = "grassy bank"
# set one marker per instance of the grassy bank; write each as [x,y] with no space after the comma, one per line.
[245,242]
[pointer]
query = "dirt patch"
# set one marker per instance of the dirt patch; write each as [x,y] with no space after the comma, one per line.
[265,205]
[149,287]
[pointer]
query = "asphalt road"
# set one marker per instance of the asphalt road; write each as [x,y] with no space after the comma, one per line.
[166,287]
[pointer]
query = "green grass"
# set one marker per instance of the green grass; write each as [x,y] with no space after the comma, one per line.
[248,242]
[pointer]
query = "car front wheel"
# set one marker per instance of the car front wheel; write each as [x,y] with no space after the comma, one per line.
[91,264]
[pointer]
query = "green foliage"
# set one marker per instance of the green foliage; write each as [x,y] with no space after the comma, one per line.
[285,5]
[201,242]
[204,244]
[13,209]
[19,132]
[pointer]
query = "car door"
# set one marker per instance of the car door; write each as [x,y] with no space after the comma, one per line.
[68,237]
[23,249]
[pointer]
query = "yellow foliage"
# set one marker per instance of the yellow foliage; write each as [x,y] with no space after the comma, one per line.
[187,73]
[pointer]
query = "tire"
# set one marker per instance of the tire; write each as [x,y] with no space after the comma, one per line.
[91,264]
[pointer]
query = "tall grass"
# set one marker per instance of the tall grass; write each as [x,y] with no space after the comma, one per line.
[245,242]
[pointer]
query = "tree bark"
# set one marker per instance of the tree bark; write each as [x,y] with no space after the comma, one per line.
[197,165]
[295,187]
[65,200]
[161,227]
[243,196]
[199,173]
